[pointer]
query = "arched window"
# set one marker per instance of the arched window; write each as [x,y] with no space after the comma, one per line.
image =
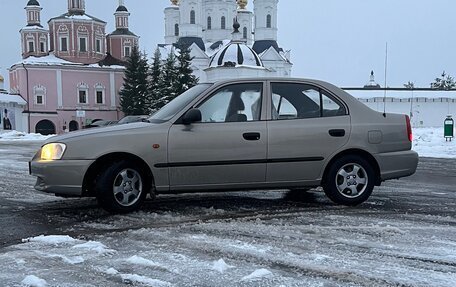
[223,22]
[244,33]
[176,30]
[209,23]
[268,21]
[192,17]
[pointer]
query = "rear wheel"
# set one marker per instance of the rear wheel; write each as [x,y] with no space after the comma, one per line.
[122,187]
[350,180]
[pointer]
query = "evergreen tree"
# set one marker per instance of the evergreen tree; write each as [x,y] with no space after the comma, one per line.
[133,96]
[446,82]
[185,78]
[156,84]
[169,79]
[409,85]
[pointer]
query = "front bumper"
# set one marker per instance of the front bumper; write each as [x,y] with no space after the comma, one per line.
[395,165]
[62,177]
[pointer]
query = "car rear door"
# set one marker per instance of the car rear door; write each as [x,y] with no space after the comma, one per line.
[228,148]
[307,125]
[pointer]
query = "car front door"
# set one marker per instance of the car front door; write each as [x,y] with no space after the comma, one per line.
[307,126]
[227,149]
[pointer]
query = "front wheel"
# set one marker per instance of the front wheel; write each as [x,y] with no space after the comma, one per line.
[121,187]
[350,180]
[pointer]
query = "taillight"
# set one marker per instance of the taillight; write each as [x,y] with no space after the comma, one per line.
[409,128]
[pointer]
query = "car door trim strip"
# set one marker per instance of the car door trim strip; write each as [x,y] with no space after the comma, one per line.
[237,162]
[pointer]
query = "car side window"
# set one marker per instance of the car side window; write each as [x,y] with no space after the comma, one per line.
[234,103]
[301,101]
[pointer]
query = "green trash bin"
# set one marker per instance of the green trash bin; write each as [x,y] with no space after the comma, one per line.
[449,128]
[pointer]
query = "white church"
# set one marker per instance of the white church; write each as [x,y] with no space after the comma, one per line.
[226,39]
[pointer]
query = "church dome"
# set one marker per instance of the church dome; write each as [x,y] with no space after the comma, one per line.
[236,54]
[2,79]
[122,8]
[33,3]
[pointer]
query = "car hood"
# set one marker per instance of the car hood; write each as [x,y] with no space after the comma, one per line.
[97,131]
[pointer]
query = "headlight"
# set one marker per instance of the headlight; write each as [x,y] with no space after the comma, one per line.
[52,151]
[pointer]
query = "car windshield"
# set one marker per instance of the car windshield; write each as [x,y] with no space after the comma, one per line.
[176,105]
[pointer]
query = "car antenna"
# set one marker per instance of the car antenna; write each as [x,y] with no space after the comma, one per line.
[385,87]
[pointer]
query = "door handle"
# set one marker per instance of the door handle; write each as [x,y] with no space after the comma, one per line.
[252,136]
[337,133]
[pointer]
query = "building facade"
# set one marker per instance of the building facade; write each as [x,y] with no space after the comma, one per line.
[206,27]
[72,72]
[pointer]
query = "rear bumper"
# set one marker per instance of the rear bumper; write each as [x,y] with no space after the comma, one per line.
[395,165]
[62,177]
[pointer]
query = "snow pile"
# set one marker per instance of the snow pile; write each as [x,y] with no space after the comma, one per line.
[221,266]
[51,239]
[21,136]
[94,246]
[137,260]
[112,271]
[429,142]
[33,281]
[134,278]
[257,274]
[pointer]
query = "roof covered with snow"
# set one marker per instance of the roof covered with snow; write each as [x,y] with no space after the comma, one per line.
[7,98]
[71,16]
[236,54]
[51,60]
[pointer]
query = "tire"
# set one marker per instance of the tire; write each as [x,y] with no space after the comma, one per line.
[350,180]
[121,187]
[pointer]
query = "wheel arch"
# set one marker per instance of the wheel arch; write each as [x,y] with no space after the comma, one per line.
[359,152]
[94,170]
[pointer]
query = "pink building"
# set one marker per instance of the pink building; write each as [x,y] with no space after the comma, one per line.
[72,73]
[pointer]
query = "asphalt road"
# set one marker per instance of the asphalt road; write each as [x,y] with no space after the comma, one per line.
[25,212]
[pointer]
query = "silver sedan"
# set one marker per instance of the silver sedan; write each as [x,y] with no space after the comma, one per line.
[234,135]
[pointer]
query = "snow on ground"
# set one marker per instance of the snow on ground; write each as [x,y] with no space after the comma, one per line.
[236,239]
[321,247]
[429,142]
[21,136]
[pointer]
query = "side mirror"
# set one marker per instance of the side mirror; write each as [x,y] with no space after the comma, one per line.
[192,116]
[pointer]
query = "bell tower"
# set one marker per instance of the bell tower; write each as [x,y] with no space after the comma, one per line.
[121,42]
[34,37]
[191,28]
[76,7]
[265,25]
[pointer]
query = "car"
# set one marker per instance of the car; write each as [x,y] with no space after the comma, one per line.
[101,123]
[243,134]
[133,119]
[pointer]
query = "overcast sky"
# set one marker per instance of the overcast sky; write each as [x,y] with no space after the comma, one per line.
[339,41]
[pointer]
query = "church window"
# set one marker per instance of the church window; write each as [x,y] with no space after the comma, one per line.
[83,44]
[64,44]
[99,94]
[99,98]
[40,94]
[176,30]
[42,47]
[83,96]
[31,46]
[269,21]
[39,99]
[192,17]
[223,23]
[83,90]
[98,45]
[209,23]
[244,32]
[127,51]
